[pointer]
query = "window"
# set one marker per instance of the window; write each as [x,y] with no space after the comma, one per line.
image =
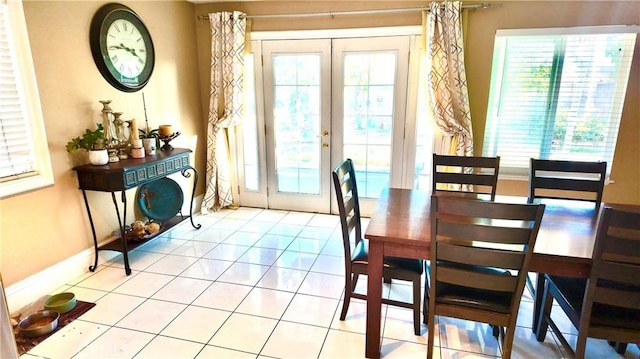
[24,155]
[557,94]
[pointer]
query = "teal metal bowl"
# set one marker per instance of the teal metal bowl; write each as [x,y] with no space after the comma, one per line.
[61,302]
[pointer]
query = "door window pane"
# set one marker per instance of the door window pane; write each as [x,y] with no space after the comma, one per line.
[369,88]
[297,122]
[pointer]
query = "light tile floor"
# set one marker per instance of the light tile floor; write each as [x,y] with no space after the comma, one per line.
[255,283]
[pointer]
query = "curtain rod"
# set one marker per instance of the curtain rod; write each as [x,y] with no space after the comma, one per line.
[357,12]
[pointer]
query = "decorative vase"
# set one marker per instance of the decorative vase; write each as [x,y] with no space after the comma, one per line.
[99,157]
[149,145]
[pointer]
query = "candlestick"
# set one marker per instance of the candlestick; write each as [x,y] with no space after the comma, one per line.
[134,129]
[137,151]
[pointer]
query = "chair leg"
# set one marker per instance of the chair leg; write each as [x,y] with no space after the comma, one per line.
[425,304]
[495,331]
[530,286]
[349,285]
[581,346]
[507,341]
[431,328]
[620,348]
[545,311]
[417,284]
[386,280]
[354,282]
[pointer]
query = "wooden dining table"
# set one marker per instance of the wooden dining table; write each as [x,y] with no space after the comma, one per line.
[400,226]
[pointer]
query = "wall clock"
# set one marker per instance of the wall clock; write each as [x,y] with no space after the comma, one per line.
[121,47]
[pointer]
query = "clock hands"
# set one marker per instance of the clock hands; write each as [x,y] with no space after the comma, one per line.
[122,47]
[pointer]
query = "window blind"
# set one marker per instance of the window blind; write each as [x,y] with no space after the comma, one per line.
[16,155]
[557,94]
[25,164]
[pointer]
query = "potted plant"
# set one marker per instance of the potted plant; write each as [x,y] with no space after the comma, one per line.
[93,142]
[150,140]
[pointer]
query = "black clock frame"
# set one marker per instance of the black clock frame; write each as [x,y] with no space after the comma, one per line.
[100,23]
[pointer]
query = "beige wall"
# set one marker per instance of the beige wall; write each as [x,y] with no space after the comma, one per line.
[482,25]
[47,226]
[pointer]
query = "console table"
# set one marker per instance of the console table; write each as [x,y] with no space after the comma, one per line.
[127,174]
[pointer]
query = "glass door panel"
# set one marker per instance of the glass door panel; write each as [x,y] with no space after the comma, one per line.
[368,115]
[370,80]
[296,120]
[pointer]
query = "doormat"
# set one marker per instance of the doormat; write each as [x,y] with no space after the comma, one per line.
[26,344]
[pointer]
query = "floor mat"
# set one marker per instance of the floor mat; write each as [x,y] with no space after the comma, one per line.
[26,344]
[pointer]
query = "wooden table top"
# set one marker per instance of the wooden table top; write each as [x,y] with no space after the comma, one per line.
[567,232]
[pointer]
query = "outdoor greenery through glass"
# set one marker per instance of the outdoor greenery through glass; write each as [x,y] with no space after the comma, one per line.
[368,97]
[556,97]
[296,113]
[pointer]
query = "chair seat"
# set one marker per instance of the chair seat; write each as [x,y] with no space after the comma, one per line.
[474,298]
[361,256]
[573,290]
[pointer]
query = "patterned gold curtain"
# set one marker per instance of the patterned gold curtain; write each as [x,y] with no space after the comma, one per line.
[225,104]
[447,80]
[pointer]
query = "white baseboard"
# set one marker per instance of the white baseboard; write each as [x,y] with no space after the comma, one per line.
[32,288]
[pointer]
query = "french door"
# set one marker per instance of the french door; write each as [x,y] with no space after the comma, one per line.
[319,102]
[297,97]
[369,108]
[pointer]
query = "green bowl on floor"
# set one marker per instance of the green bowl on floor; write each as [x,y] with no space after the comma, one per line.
[61,302]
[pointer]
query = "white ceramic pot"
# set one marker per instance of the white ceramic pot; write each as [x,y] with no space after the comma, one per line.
[149,145]
[98,157]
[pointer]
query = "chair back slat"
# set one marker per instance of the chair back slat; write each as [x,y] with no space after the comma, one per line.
[349,207]
[480,256]
[617,297]
[567,184]
[566,180]
[620,249]
[480,173]
[485,233]
[480,212]
[623,273]
[466,178]
[477,280]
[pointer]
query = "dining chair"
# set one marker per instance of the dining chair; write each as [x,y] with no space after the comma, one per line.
[567,180]
[480,254]
[356,248]
[480,174]
[573,180]
[607,305]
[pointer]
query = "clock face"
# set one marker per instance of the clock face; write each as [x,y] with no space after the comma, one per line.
[122,48]
[125,49]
